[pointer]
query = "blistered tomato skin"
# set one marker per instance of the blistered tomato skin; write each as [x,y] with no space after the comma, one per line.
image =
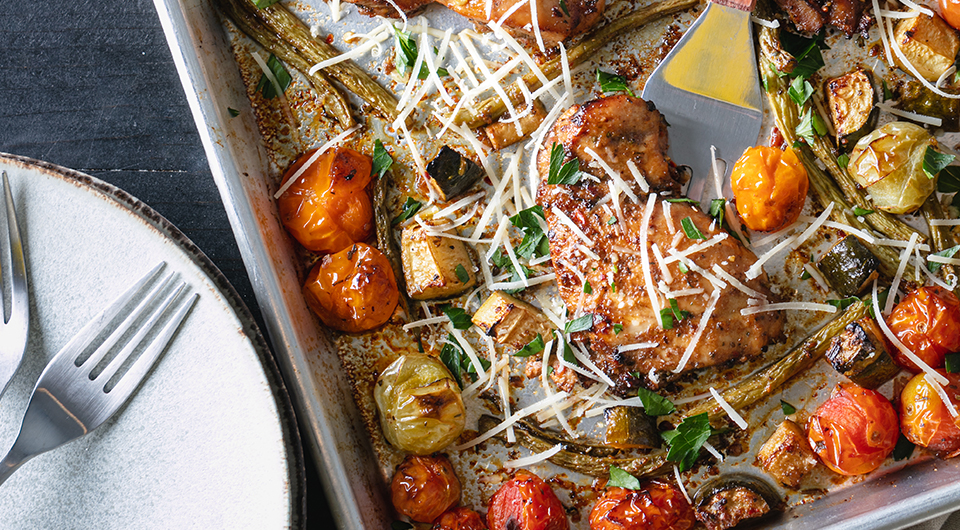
[424,487]
[460,518]
[328,207]
[925,420]
[854,431]
[353,290]
[656,506]
[526,502]
[950,11]
[770,187]
[927,321]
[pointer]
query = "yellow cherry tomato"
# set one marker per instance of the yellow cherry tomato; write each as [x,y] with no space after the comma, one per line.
[770,187]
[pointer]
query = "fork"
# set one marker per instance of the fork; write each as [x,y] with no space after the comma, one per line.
[14,327]
[70,398]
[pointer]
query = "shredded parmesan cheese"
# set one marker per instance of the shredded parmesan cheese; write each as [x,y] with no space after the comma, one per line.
[537,457]
[376,37]
[737,418]
[942,393]
[740,286]
[782,306]
[904,259]
[637,346]
[711,304]
[520,414]
[645,260]
[313,158]
[562,217]
[676,473]
[536,280]
[614,175]
[901,346]
[922,118]
[638,176]
[757,268]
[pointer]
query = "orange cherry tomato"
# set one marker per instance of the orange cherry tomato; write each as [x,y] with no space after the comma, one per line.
[656,506]
[928,322]
[352,290]
[460,519]
[424,487]
[526,502]
[770,187]
[854,431]
[950,11]
[328,208]
[925,420]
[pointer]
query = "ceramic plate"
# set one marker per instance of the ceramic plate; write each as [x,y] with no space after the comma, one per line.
[208,441]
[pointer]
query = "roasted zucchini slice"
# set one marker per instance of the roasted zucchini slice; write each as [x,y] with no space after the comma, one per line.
[929,43]
[630,428]
[434,266]
[729,500]
[915,97]
[787,455]
[860,353]
[451,173]
[510,321]
[849,266]
[850,98]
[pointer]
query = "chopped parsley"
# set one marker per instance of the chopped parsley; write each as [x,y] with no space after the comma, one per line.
[934,161]
[560,172]
[406,54]
[686,440]
[535,243]
[382,161]
[587,288]
[654,404]
[860,212]
[682,267]
[501,260]
[806,51]
[233,112]
[717,209]
[683,199]
[887,93]
[811,126]
[621,479]
[949,180]
[669,315]
[612,83]
[459,317]
[266,87]
[458,362]
[410,208]
[691,229]
[583,323]
[800,90]
[787,408]
[805,275]
[617,328]
[843,303]
[563,7]
[933,266]
[843,160]
[952,363]
[461,273]
[533,347]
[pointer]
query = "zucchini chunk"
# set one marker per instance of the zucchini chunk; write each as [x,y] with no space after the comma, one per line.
[501,134]
[733,499]
[850,98]
[451,173]
[860,353]
[630,428]
[787,455]
[510,321]
[914,97]
[433,266]
[928,43]
[849,266]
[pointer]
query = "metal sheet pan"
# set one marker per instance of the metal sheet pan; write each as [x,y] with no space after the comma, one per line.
[339,441]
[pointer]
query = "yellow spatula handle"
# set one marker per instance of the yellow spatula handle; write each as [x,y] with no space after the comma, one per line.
[743,5]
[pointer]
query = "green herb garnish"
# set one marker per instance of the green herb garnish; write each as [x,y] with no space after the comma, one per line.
[535,243]
[800,90]
[805,275]
[406,54]
[452,357]
[934,266]
[266,87]
[844,303]
[612,83]
[682,267]
[382,161]
[654,404]
[787,408]
[811,126]
[621,479]
[267,3]
[533,347]
[859,212]
[233,112]
[887,93]
[806,51]
[686,440]
[563,7]
[691,229]
[934,161]
[501,260]
[717,209]
[949,181]
[587,288]
[617,328]
[669,315]
[843,160]
[562,173]
[583,323]
[459,317]
[410,208]
[461,274]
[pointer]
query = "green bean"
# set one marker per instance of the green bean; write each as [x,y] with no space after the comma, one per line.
[385,240]
[492,108]
[941,238]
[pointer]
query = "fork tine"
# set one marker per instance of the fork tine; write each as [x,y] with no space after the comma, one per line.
[145,328]
[91,362]
[138,370]
[18,300]
[99,323]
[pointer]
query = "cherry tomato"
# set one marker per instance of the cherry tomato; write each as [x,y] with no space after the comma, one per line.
[925,420]
[526,502]
[352,290]
[770,186]
[328,208]
[854,431]
[656,506]
[928,322]
[424,487]
[460,519]
[950,11]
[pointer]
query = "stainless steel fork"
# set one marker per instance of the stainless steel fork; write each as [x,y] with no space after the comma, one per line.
[14,327]
[71,398]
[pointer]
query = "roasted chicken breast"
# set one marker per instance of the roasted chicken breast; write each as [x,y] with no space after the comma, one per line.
[644,249]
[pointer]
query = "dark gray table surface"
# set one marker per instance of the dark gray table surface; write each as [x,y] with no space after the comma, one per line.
[91,85]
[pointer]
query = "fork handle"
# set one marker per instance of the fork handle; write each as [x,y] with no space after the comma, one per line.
[742,5]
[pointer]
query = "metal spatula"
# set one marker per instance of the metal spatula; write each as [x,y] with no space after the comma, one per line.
[709,91]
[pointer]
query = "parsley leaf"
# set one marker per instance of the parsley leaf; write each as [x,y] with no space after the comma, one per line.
[233,112]
[533,347]
[933,266]
[806,51]
[934,161]
[903,449]
[686,440]
[787,408]
[844,303]
[461,273]
[264,3]
[800,90]
[669,315]
[811,125]
[881,301]
[583,323]
[682,267]
[612,83]
[410,208]
[691,229]
[265,86]
[452,356]
[949,180]
[805,275]
[560,173]
[382,161]
[859,212]
[683,199]
[654,404]
[587,288]
[459,317]
[535,243]
[717,209]
[621,479]
[617,328]
[843,160]
[406,54]
[501,260]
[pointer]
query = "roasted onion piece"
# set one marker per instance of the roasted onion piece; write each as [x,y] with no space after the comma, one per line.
[419,404]
[889,163]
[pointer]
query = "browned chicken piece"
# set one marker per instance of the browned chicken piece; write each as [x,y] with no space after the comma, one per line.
[558,20]
[809,16]
[619,298]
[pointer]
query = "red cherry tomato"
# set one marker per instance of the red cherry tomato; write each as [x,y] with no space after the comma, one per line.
[950,11]
[854,431]
[925,420]
[526,502]
[353,290]
[424,487]
[656,506]
[928,322]
[327,208]
[460,519]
